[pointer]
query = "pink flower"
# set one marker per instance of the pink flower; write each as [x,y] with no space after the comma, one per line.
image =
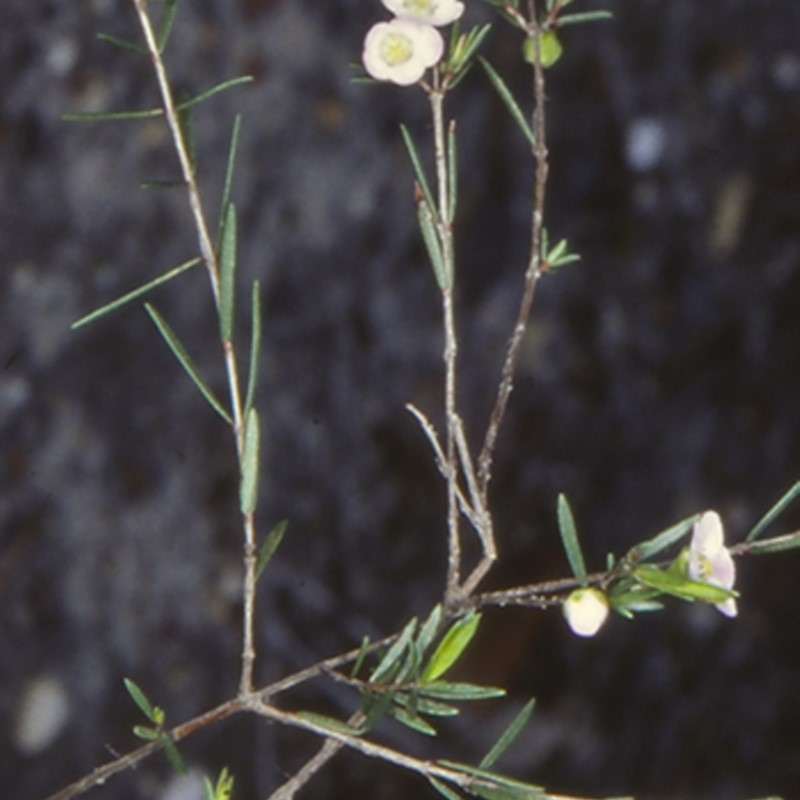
[710,561]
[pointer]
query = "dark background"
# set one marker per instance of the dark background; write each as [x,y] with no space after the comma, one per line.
[659,378]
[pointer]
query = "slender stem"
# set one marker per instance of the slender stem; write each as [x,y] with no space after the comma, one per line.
[211,261]
[472,514]
[248,614]
[533,271]
[453,517]
[445,233]
[187,170]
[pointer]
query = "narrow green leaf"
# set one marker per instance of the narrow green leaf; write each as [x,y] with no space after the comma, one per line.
[443,789]
[375,706]
[774,512]
[429,629]
[270,545]
[451,647]
[430,237]
[662,541]
[628,609]
[416,163]
[255,347]
[328,723]
[413,702]
[487,791]
[124,44]
[455,35]
[146,733]
[362,654]
[174,756]
[165,26]
[510,102]
[147,113]
[151,185]
[509,735]
[227,274]
[681,587]
[586,16]
[557,251]
[491,777]
[391,658]
[410,721]
[208,789]
[248,495]
[220,87]
[569,537]
[544,244]
[444,690]
[778,544]
[422,705]
[229,170]
[410,667]
[112,116]
[135,293]
[475,39]
[179,351]
[452,171]
[140,698]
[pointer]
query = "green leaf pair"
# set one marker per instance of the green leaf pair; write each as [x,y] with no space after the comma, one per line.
[156,733]
[222,790]
[462,50]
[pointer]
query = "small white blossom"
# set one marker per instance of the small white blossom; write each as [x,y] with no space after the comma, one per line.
[401,50]
[434,12]
[710,561]
[586,610]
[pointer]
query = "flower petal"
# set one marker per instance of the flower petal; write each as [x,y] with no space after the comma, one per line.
[432,12]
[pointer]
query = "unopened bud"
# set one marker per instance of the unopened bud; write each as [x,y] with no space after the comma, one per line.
[586,610]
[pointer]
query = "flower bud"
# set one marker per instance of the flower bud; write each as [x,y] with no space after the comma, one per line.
[586,610]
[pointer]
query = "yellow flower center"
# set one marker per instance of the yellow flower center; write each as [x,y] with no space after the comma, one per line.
[396,49]
[704,568]
[422,8]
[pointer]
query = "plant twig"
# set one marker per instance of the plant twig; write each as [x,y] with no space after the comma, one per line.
[211,262]
[533,271]
[430,434]
[445,235]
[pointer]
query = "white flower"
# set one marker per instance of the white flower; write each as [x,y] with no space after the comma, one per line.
[434,12]
[710,561]
[401,50]
[586,610]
